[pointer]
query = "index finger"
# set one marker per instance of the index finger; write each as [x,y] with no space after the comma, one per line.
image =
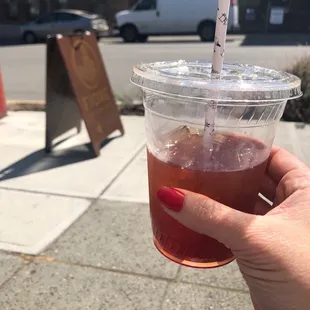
[282,162]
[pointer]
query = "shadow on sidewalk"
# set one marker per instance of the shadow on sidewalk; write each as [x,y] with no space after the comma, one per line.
[163,40]
[8,42]
[40,161]
[276,39]
[17,43]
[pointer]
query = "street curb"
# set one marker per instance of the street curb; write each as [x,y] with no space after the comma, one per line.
[25,105]
[39,105]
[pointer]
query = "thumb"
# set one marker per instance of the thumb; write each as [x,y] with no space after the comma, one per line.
[207,216]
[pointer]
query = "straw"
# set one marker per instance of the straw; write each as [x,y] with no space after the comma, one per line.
[217,64]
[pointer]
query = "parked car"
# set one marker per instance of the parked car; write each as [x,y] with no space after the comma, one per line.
[162,17]
[64,22]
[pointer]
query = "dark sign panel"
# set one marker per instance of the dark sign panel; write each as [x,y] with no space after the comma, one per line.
[78,87]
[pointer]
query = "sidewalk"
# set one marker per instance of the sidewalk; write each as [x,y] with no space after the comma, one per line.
[75,231]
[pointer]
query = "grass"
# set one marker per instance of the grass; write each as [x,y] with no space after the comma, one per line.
[298,110]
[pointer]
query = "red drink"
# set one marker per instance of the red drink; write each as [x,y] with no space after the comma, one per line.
[247,100]
[231,174]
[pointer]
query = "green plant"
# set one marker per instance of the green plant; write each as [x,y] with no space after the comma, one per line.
[131,101]
[298,110]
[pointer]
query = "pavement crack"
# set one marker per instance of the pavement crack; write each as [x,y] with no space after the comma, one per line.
[91,199]
[133,157]
[2,284]
[118,271]
[162,303]
[26,258]
[169,281]
[46,258]
[227,289]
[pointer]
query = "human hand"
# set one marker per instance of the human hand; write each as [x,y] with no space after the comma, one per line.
[272,247]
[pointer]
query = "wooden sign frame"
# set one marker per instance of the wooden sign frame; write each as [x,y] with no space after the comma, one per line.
[77,87]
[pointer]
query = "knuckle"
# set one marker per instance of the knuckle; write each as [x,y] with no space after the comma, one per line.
[208,210]
[294,180]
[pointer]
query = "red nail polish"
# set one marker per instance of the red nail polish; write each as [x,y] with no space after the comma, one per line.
[172,198]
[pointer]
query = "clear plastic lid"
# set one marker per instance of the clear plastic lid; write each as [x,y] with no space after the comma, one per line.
[237,82]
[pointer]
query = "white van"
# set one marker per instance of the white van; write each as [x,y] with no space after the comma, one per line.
[167,17]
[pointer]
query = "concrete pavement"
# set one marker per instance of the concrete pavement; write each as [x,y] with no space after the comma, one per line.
[23,67]
[86,223]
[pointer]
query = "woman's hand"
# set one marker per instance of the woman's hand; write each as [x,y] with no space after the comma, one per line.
[272,247]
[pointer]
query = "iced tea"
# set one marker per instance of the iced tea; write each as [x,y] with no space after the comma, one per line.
[230,172]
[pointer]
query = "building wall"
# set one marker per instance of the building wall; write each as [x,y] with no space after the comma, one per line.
[296,17]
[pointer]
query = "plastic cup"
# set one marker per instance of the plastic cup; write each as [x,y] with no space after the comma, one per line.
[229,167]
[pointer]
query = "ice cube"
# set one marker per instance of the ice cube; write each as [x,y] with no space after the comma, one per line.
[181,133]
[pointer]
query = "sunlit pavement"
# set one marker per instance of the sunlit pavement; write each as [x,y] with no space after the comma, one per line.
[79,226]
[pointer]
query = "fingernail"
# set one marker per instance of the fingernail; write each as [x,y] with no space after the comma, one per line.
[172,198]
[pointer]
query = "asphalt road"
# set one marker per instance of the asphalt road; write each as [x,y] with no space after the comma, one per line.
[23,67]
